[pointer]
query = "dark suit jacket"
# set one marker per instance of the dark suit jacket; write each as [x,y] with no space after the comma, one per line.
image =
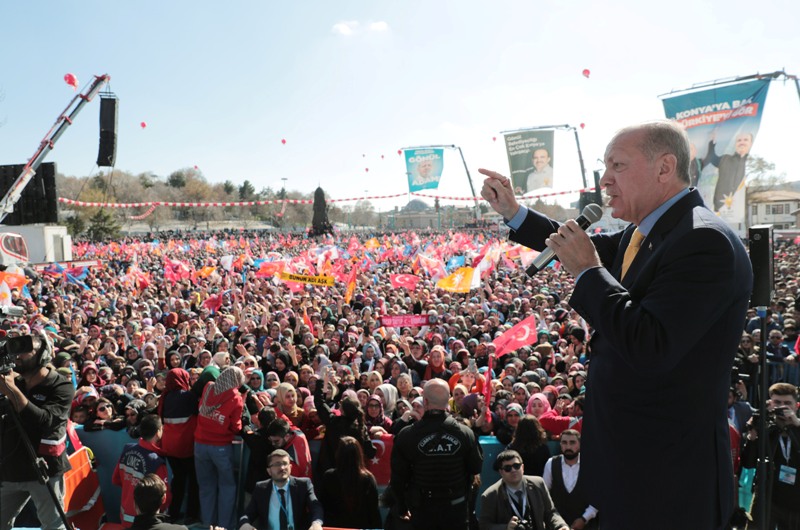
[655,444]
[496,511]
[306,508]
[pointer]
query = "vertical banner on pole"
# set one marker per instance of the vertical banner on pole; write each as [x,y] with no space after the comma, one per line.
[530,160]
[424,168]
[722,124]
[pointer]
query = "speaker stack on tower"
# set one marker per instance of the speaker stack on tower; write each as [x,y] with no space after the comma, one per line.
[107,152]
[38,202]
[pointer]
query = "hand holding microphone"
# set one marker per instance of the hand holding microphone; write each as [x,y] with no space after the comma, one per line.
[571,245]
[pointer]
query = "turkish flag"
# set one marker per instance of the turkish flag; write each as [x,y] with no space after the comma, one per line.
[380,465]
[409,281]
[520,335]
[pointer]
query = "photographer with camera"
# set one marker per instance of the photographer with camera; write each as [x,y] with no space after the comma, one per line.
[783,488]
[517,501]
[40,397]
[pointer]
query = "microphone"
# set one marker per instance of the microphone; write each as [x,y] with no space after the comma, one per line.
[590,215]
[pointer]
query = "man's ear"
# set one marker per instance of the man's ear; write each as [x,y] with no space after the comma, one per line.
[667,166]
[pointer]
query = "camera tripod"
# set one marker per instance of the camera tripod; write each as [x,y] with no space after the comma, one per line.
[39,464]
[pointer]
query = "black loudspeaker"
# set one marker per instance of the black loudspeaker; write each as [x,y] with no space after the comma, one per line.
[39,200]
[107,152]
[586,198]
[761,253]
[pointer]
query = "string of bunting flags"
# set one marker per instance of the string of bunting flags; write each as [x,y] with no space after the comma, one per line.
[154,204]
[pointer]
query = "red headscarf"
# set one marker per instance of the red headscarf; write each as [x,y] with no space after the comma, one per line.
[177,379]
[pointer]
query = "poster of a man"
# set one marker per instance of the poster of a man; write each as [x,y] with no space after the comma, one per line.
[731,168]
[530,160]
[424,172]
[542,174]
[424,168]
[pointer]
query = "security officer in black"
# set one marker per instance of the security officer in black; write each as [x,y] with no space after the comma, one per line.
[434,462]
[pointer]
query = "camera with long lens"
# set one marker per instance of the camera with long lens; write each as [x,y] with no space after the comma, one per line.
[10,348]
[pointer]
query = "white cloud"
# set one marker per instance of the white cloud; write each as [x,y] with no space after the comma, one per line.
[379,26]
[345,27]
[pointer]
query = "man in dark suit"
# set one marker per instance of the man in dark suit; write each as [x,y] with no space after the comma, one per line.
[516,498]
[661,459]
[282,501]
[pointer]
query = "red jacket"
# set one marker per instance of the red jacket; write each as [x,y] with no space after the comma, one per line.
[555,424]
[220,417]
[180,421]
[299,454]
[136,461]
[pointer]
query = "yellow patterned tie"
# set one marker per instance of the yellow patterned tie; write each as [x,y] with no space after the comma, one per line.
[633,247]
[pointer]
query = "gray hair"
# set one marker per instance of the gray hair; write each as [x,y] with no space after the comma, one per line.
[664,136]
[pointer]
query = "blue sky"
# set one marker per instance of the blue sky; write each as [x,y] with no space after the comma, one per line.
[220,84]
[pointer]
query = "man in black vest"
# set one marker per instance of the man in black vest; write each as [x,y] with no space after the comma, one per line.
[563,480]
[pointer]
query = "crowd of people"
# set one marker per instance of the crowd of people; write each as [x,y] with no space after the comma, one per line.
[189,340]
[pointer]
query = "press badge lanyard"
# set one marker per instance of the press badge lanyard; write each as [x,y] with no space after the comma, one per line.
[512,496]
[283,508]
[786,447]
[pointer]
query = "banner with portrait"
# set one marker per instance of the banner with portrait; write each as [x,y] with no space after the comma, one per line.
[530,160]
[424,168]
[722,123]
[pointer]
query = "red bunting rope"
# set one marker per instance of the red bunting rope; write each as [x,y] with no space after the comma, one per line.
[153,204]
[144,215]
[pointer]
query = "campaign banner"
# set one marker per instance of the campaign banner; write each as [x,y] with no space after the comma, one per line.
[402,321]
[326,281]
[722,124]
[424,168]
[530,160]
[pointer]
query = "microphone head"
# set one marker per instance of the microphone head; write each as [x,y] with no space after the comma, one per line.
[592,213]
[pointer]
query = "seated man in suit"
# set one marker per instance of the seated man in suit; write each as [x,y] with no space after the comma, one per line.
[517,498]
[282,501]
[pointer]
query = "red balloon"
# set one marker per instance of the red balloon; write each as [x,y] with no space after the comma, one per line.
[195,167]
[494,138]
[71,80]
[586,73]
[399,152]
[283,141]
[583,125]
[381,157]
[366,169]
[143,125]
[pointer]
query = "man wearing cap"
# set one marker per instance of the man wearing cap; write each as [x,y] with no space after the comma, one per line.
[633,288]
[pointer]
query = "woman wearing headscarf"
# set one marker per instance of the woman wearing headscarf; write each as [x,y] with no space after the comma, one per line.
[220,419]
[521,394]
[256,381]
[376,420]
[90,376]
[390,396]
[286,402]
[178,410]
[538,404]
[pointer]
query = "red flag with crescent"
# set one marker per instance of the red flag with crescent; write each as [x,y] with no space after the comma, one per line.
[520,335]
[409,281]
